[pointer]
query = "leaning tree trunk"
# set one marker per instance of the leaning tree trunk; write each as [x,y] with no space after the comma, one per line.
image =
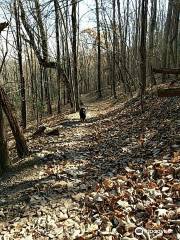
[22,149]
[4,160]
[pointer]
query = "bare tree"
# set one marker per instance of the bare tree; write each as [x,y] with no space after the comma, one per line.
[74,51]
[4,156]
[142,49]
[21,75]
[98,49]
[56,7]
[151,37]
[166,36]
[114,50]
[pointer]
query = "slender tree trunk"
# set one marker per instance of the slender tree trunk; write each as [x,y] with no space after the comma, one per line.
[137,35]
[32,77]
[114,51]
[47,90]
[21,75]
[166,37]
[107,45]
[4,158]
[37,92]
[58,54]
[44,45]
[174,35]
[74,52]
[98,50]
[68,67]
[143,49]
[151,37]
[120,50]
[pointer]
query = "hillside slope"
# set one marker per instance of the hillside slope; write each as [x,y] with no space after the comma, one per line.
[100,179]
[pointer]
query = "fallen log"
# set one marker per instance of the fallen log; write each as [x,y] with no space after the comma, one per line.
[175,71]
[39,131]
[168,92]
[52,132]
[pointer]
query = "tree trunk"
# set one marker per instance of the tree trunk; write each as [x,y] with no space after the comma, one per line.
[47,91]
[4,158]
[143,49]
[58,54]
[44,45]
[98,50]
[19,49]
[166,37]
[74,52]
[114,51]
[173,43]
[22,149]
[151,37]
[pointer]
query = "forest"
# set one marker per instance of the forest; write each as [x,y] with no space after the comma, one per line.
[90,119]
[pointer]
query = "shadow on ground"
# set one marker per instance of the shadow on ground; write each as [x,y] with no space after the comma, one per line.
[100,157]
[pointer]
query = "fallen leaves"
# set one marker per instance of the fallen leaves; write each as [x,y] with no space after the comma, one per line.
[142,205]
[102,179]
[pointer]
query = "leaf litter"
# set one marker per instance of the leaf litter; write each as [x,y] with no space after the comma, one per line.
[108,178]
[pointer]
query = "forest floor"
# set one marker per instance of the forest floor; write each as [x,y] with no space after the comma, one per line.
[99,179]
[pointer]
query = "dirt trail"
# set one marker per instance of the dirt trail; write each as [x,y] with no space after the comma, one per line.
[53,194]
[65,160]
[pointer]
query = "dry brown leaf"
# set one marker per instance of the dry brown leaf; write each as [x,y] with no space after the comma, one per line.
[108,184]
